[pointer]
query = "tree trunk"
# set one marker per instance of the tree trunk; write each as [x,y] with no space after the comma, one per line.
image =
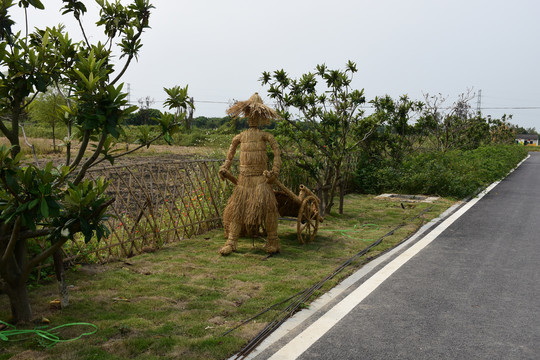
[60,278]
[14,138]
[53,138]
[324,201]
[341,196]
[319,193]
[334,182]
[68,146]
[14,276]
[20,304]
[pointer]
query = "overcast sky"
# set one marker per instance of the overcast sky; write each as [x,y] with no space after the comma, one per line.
[220,48]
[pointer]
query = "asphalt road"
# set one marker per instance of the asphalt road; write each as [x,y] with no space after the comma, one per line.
[472,293]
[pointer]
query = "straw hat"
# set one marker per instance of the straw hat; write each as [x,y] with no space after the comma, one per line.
[254,109]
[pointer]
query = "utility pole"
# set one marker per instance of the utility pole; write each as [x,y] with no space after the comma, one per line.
[129,94]
[479,103]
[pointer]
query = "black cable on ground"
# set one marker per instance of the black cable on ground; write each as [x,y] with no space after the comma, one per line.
[303,296]
[261,313]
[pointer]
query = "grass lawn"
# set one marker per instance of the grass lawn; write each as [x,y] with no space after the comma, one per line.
[177,302]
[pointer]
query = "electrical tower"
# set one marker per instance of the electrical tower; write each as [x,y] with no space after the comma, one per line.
[479,103]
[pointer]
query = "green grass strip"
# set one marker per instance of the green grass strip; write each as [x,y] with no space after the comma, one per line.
[354,230]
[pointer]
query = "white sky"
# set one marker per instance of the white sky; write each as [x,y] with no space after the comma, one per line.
[220,48]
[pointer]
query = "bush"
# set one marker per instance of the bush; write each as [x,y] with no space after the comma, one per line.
[35,130]
[455,173]
[194,137]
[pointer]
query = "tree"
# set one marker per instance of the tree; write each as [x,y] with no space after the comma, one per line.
[455,126]
[525,131]
[143,116]
[327,127]
[397,134]
[179,100]
[47,109]
[502,131]
[57,203]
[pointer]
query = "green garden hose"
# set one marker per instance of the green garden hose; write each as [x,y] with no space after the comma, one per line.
[46,337]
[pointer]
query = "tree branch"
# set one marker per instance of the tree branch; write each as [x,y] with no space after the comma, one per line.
[29,145]
[29,234]
[31,99]
[368,134]
[4,129]
[74,228]
[12,241]
[83,32]
[91,159]
[45,254]
[68,103]
[131,56]
[82,149]
[128,152]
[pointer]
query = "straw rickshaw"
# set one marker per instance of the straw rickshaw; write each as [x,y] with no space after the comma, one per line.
[252,204]
[304,208]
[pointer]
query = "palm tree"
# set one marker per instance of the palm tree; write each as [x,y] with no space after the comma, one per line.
[180,101]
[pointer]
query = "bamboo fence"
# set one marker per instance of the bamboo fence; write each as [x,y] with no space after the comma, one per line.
[156,203]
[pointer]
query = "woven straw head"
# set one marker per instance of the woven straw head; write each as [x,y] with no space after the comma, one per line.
[254,109]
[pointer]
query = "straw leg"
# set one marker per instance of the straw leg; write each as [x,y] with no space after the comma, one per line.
[272,243]
[232,241]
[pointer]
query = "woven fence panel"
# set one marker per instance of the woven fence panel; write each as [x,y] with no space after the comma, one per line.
[155,203]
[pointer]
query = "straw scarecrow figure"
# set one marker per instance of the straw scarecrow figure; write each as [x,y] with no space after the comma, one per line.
[253,203]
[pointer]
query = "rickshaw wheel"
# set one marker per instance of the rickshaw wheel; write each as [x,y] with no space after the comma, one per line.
[307,223]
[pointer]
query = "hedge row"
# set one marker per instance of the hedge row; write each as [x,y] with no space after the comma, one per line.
[455,173]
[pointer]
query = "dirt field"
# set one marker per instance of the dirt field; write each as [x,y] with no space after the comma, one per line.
[154,153]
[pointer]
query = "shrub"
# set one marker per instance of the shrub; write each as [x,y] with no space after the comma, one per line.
[456,173]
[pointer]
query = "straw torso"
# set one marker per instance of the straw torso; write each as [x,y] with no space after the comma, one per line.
[253,198]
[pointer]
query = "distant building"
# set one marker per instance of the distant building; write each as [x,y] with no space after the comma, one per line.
[527,139]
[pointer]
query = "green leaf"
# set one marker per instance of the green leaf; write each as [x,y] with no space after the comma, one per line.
[23,207]
[37,4]
[167,137]
[82,76]
[44,208]
[12,182]
[86,230]
[33,204]
[28,221]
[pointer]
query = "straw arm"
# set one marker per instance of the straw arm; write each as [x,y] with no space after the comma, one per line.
[226,174]
[276,166]
[230,154]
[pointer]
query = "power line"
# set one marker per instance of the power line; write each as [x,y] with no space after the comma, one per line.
[372,107]
[479,105]
[513,108]
[211,102]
